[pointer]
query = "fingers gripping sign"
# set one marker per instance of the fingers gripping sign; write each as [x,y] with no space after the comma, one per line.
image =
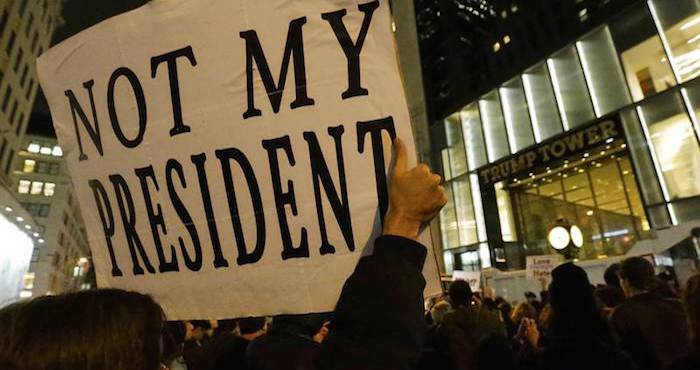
[415,195]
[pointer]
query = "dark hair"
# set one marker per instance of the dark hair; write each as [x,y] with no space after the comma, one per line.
[202,324]
[251,325]
[574,310]
[610,275]
[88,330]
[638,271]
[692,305]
[173,338]
[460,293]
[609,296]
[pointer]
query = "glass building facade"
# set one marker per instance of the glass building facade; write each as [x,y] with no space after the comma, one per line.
[603,133]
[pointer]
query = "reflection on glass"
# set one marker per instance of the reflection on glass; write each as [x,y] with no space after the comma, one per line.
[470,261]
[647,69]
[455,145]
[678,22]
[494,127]
[603,73]
[446,167]
[505,213]
[674,144]
[541,103]
[691,97]
[473,137]
[466,223]
[478,207]
[448,222]
[570,88]
[516,115]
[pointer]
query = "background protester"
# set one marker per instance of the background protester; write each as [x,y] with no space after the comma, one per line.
[521,312]
[506,311]
[577,337]
[227,349]
[173,343]
[611,275]
[608,297]
[288,344]
[468,325]
[691,361]
[224,327]
[651,325]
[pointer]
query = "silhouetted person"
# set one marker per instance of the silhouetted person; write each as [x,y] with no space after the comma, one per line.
[652,327]
[288,344]
[468,325]
[578,337]
[691,298]
[608,298]
[611,276]
[173,342]
[226,351]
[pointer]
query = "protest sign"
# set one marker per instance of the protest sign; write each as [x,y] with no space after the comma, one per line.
[471,277]
[540,267]
[230,157]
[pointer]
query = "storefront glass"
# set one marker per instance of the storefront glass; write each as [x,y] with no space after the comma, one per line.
[541,103]
[646,66]
[516,115]
[603,73]
[570,88]
[466,223]
[473,137]
[455,146]
[674,145]
[448,221]
[494,126]
[678,22]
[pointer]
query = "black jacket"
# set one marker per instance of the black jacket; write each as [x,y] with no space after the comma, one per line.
[653,330]
[378,320]
[285,346]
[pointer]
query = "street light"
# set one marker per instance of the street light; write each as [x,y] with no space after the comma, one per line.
[565,238]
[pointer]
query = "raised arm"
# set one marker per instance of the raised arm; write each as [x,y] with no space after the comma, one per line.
[379,317]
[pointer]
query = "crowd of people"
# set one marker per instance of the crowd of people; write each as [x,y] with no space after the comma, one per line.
[636,321]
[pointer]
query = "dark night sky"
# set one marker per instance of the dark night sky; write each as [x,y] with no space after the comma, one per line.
[79,15]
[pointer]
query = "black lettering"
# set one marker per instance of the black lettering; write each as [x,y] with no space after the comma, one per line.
[352,49]
[194,264]
[294,48]
[107,218]
[94,132]
[199,160]
[155,219]
[321,175]
[179,127]
[283,198]
[375,128]
[225,156]
[140,104]
[128,214]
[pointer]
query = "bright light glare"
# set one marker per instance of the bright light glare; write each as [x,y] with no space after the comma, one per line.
[15,256]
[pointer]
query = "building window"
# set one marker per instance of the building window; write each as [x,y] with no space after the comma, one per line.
[18,60]
[455,146]
[44,210]
[570,88]
[473,137]
[674,145]
[45,150]
[23,186]
[647,69]
[57,151]
[53,168]
[6,99]
[678,23]
[29,165]
[10,43]
[494,126]
[36,188]
[42,167]
[49,189]
[541,103]
[33,148]
[515,112]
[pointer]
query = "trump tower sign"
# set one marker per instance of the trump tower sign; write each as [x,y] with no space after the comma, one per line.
[230,157]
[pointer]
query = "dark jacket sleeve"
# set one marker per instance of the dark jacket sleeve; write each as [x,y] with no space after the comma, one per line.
[378,320]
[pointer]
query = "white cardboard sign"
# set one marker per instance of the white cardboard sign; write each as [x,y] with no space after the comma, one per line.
[471,277]
[540,267]
[230,157]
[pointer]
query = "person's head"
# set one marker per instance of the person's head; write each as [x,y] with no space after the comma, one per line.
[530,297]
[609,296]
[439,311]
[252,327]
[460,293]
[506,309]
[636,275]
[200,328]
[173,338]
[692,306]
[522,311]
[87,330]
[611,275]
[224,327]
